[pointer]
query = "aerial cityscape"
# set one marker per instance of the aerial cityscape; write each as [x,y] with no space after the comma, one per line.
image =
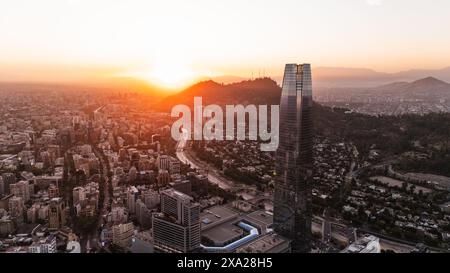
[261,148]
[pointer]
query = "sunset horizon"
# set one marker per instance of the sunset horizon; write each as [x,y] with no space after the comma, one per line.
[77,40]
[100,77]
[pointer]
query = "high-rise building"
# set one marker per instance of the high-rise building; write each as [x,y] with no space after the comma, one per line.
[199,182]
[21,189]
[132,174]
[151,198]
[43,213]
[16,209]
[119,214]
[143,215]
[184,186]
[79,195]
[131,199]
[294,159]
[174,165]
[177,227]
[6,226]
[8,179]
[32,214]
[163,162]
[57,213]
[122,234]
[163,178]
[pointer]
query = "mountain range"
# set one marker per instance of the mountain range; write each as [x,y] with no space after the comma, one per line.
[428,89]
[352,77]
[424,87]
[355,77]
[267,91]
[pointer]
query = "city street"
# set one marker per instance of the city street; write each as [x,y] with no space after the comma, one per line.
[213,175]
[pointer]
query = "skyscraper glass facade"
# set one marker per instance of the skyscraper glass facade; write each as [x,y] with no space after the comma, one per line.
[294,160]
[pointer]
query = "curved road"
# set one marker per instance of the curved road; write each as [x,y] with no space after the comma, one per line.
[213,175]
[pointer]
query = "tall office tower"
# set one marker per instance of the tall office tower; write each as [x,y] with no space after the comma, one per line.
[131,199]
[8,179]
[294,159]
[143,215]
[163,178]
[16,209]
[163,162]
[57,213]
[177,227]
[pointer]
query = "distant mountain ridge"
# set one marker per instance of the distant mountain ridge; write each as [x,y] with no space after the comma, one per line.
[349,77]
[427,95]
[361,77]
[443,74]
[326,77]
[428,87]
[258,91]
[267,91]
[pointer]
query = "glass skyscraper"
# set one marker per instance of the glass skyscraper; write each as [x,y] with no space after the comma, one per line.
[294,159]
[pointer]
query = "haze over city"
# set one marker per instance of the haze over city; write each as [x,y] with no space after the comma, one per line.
[175,43]
[225,126]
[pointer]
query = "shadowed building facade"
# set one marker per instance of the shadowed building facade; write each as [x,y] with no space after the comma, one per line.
[294,159]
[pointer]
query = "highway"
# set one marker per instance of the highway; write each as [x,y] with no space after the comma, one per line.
[214,176]
[8,158]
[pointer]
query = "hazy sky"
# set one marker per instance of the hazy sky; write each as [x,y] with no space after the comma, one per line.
[68,38]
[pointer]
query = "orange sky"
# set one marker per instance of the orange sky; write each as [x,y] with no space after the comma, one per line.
[173,42]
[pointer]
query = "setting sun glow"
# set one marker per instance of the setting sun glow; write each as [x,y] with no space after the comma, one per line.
[176,42]
[171,75]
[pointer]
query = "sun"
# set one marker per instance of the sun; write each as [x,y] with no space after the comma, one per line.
[171,74]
